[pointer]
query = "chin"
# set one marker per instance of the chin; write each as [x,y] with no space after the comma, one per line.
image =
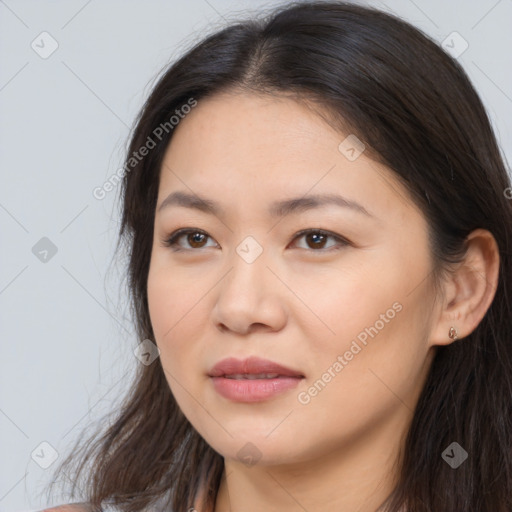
[253,447]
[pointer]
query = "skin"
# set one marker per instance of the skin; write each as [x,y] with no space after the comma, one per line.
[300,305]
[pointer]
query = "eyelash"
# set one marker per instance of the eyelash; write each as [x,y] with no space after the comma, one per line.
[172,240]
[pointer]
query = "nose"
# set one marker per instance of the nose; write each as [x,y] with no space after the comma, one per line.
[250,297]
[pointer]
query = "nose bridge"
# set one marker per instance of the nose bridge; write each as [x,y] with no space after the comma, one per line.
[246,295]
[248,262]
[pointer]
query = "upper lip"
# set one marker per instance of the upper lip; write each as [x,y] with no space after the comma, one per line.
[253,364]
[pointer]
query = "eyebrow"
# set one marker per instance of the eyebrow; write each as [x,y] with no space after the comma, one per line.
[276,209]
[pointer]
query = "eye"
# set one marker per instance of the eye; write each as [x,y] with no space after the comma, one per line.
[196,238]
[317,238]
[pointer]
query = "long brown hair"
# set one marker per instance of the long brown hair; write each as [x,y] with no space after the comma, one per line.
[416,111]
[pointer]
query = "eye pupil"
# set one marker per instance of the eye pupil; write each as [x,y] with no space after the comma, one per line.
[194,237]
[318,239]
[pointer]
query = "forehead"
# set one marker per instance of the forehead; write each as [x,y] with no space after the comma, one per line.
[268,127]
[263,147]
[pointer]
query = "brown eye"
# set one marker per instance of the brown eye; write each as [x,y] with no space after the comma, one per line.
[316,240]
[195,239]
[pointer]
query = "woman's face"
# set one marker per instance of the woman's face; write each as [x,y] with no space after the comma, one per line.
[350,312]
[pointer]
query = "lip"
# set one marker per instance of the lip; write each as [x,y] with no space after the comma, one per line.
[251,365]
[252,390]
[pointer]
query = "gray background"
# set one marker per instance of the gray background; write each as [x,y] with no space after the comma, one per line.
[67,342]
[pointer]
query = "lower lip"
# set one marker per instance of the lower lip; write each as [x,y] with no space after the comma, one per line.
[253,390]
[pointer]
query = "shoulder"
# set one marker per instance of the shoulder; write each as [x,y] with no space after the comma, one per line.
[70,507]
[86,507]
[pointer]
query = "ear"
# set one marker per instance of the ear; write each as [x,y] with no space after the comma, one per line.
[469,290]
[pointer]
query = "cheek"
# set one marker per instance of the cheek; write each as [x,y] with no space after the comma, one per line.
[172,318]
[171,299]
[178,309]
[375,341]
[345,302]
[358,385]
[171,312]
[162,303]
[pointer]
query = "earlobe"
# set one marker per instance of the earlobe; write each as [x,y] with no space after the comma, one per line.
[453,334]
[470,289]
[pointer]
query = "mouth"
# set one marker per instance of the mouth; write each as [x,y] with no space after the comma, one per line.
[253,376]
[252,379]
[252,367]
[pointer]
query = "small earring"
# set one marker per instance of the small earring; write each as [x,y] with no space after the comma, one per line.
[452,334]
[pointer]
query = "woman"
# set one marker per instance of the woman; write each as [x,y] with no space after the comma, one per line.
[317,216]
